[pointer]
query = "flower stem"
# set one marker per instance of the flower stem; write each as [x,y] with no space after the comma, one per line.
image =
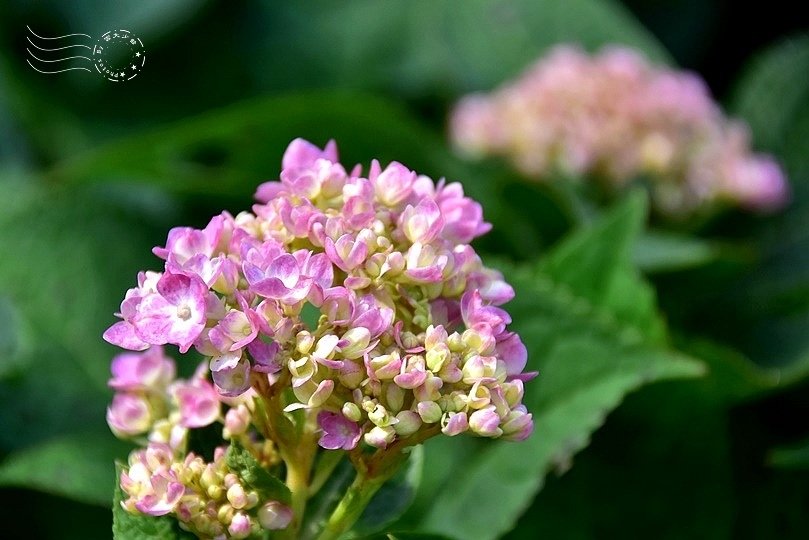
[298,483]
[350,508]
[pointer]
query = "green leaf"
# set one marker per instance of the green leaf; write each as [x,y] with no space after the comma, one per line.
[766,311]
[405,536]
[224,154]
[594,267]
[242,462]
[394,497]
[14,339]
[792,457]
[592,346]
[77,466]
[641,467]
[663,251]
[431,47]
[771,91]
[228,152]
[126,526]
[70,256]
[322,504]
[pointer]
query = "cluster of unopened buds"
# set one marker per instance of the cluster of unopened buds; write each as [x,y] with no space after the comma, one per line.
[619,118]
[348,310]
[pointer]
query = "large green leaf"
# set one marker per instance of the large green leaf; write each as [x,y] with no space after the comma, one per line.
[226,153]
[78,466]
[642,469]
[773,88]
[429,47]
[769,308]
[70,256]
[663,251]
[594,336]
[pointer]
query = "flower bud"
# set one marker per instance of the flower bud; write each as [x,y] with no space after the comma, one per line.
[274,516]
[302,370]
[453,423]
[380,437]
[408,423]
[237,420]
[351,411]
[437,356]
[429,390]
[380,416]
[129,415]
[225,513]
[354,342]
[240,526]
[304,342]
[485,422]
[513,392]
[429,411]
[455,342]
[394,397]
[394,264]
[237,497]
[351,374]
[518,425]
[481,342]
[479,396]
[386,366]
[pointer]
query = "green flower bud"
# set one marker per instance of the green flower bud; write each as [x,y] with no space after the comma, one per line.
[304,341]
[408,423]
[351,411]
[429,411]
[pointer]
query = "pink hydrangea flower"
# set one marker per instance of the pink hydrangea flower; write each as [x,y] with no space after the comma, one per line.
[154,488]
[359,292]
[615,116]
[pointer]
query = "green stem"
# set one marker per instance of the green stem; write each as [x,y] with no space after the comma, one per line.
[350,508]
[298,483]
[372,472]
[296,445]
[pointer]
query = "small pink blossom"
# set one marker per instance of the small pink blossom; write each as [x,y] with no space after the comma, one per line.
[346,253]
[198,402]
[394,184]
[423,222]
[145,371]
[129,415]
[174,314]
[338,431]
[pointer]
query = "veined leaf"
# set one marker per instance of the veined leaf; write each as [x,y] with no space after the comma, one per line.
[78,466]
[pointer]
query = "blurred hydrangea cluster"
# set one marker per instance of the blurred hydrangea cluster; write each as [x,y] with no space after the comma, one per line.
[354,299]
[617,117]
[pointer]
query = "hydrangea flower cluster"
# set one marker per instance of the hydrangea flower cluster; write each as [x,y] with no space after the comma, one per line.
[348,304]
[617,117]
[208,499]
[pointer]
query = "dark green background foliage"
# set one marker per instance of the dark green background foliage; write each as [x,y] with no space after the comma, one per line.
[673,397]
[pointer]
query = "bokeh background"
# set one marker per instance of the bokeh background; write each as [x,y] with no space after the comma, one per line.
[94,173]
